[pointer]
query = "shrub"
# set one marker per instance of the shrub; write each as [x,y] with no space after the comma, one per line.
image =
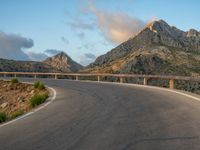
[46,95]
[2,117]
[39,85]
[17,114]
[14,80]
[38,99]
[36,84]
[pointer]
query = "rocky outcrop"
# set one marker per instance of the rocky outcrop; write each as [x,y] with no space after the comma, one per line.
[63,63]
[171,36]
[193,33]
[157,49]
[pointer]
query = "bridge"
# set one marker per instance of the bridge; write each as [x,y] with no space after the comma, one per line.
[95,115]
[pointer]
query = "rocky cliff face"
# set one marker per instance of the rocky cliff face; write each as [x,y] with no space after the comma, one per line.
[171,36]
[59,63]
[63,63]
[158,49]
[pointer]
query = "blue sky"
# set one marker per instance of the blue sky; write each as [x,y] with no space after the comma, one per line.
[84,29]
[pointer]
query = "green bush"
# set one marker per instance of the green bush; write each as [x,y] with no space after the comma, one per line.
[46,95]
[38,99]
[2,117]
[39,85]
[36,84]
[14,80]
[17,114]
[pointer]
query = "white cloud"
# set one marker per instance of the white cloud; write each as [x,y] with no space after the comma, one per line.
[12,46]
[80,24]
[116,27]
[52,51]
[81,35]
[87,58]
[36,56]
[65,40]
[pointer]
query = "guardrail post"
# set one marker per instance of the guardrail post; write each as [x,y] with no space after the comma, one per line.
[76,78]
[121,80]
[171,83]
[56,77]
[98,78]
[145,81]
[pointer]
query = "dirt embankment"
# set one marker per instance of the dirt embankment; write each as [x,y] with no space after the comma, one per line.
[16,96]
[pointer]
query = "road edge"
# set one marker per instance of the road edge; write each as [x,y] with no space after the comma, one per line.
[180,92]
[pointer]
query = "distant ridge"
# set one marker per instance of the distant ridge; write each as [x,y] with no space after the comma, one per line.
[58,63]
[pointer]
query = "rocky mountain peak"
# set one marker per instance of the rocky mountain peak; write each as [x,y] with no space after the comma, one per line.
[159,32]
[162,27]
[158,26]
[158,48]
[63,62]
[193,33]
[58,59]
[61,54]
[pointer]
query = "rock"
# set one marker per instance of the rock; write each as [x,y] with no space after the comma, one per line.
[193,33]
[4,105]
[29,89]
[19,99]
[32,92]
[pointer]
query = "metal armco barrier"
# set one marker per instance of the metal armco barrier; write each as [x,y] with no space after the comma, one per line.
[99,76]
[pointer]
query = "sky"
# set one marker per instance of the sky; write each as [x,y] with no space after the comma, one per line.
[84,29]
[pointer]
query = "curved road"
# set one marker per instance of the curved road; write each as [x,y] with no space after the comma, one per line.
[99,116]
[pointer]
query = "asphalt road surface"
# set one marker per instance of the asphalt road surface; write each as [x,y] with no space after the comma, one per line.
[98,116]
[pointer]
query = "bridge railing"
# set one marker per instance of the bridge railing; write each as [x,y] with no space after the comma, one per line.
[100,75]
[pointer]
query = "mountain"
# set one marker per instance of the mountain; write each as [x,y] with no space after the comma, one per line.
[58,63]
[63,63]
[24,66]
[157,49]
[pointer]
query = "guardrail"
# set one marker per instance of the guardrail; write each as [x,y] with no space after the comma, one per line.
[99,76]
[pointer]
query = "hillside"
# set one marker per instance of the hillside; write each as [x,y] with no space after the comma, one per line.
[58,63]
[63,63]
[157,49]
